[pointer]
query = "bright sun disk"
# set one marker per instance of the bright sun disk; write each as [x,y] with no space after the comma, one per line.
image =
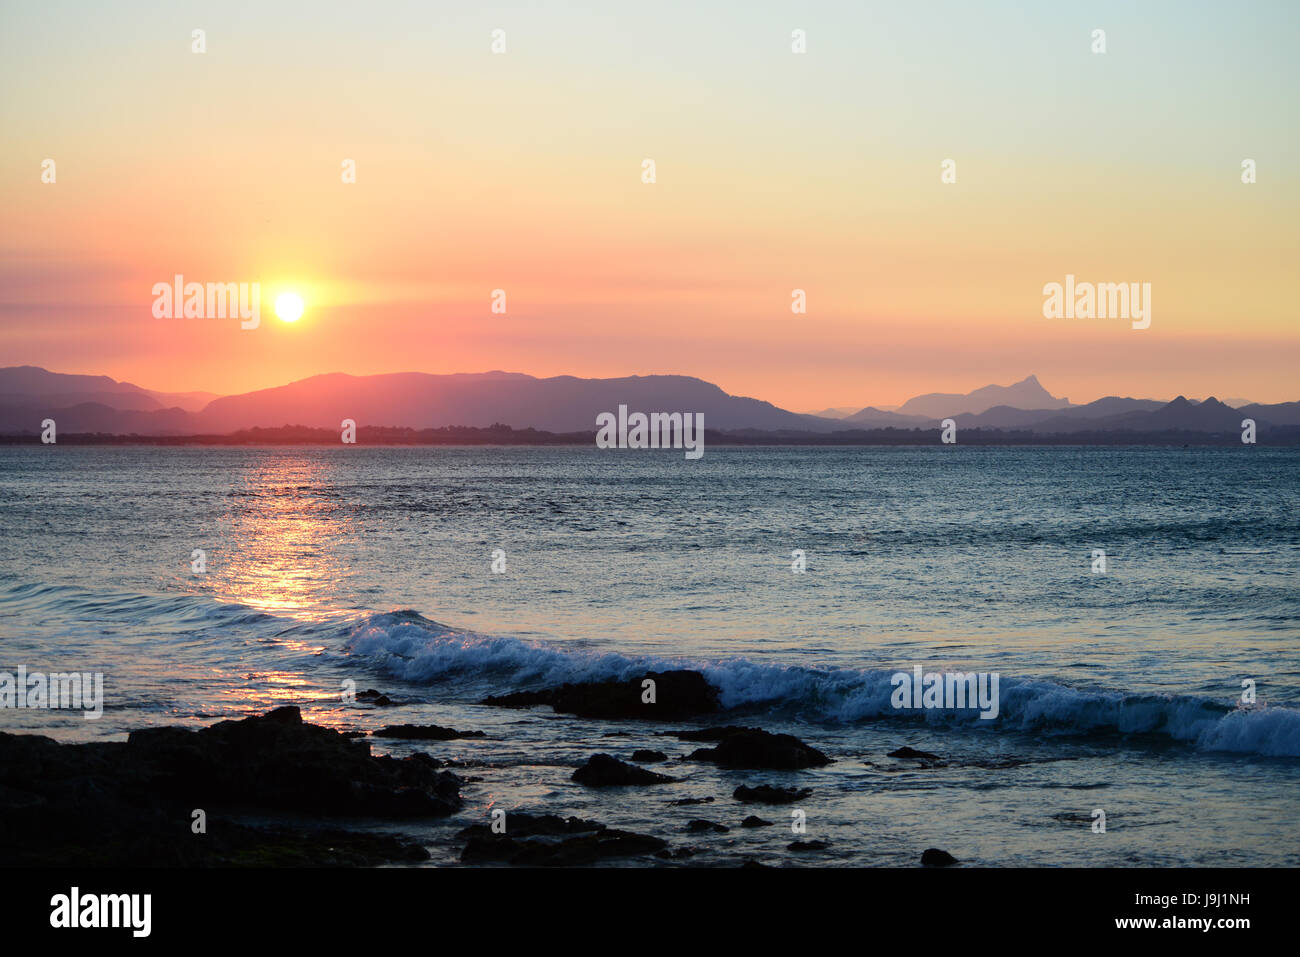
[288,306]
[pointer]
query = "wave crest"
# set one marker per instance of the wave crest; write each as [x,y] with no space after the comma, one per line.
[416,649]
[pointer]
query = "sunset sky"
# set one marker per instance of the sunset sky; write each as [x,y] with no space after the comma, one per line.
[775,171]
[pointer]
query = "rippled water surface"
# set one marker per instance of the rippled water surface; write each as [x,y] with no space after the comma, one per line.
[1119,691]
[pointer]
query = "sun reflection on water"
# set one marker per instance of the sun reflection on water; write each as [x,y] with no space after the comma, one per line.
[281,539]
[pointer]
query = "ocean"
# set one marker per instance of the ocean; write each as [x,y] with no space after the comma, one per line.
[798,580]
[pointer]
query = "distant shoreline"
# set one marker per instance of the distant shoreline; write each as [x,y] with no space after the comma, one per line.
[504,436]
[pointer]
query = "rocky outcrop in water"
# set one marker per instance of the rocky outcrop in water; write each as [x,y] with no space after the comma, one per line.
[906,752]
[677,695]
[933,857]
[766,794]
[604,770]
[135,803]
[758,749]
[425,732]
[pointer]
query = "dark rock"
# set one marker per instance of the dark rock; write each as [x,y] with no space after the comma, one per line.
[425,732]
[374,697]
[766,794]
[430,760]
[131,804]
[755,821]
[758,749]
[681,802]
[603,770]
[906,752]
[277,761]
[646,756]
[678,695]
[807,846]
[933,857]
[701,826]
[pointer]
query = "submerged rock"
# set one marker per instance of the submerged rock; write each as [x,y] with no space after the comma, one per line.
[933,857]
[425,732]
[604,770]
[755,821]
[678,695]
[766,794]
[647,756]
[758,749]
[807,846]
[906,752]
[700,826]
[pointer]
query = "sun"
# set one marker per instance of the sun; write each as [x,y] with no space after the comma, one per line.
[288,306]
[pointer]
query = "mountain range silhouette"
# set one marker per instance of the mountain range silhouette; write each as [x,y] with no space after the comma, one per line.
[567,404]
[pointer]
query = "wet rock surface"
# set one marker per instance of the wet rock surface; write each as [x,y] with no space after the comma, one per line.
[133,803]
[604,770]
[934,857]
[757,749]
[425,732]
[807,846]
[766,794]
[677,695]
[701,826]
[906,752]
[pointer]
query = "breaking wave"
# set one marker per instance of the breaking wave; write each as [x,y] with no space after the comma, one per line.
[418,650]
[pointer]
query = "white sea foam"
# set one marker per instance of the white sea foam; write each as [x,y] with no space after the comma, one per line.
[418,650]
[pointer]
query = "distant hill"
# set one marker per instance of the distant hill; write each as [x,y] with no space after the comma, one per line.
[1279,413]
[560,404]
[873,418]
[1133,415]
[1075,418]
[20,385]
[189,401]
[413,400]
[837,412]
[1025,394]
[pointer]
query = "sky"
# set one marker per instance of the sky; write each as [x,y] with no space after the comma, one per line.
[774,171]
